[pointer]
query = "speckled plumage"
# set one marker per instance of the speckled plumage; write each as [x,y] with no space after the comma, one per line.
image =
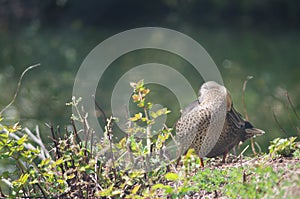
[211,125]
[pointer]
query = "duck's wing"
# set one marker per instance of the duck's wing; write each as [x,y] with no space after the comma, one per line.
[190,107]
[192,127]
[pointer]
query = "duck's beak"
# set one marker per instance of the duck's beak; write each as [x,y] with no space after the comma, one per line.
[252,132]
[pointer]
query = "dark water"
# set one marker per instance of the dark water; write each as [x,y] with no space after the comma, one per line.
[272,57]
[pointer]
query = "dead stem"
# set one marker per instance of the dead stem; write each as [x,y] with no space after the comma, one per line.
[148,134]
[245,110]
[277,122]
[292,106]
[99,108]
[109,132]
[18,87]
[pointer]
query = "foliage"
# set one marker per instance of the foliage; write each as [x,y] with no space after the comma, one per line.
[129,168]
[260,182]
[39,175]
[153,151]
[283,147]
[37,106]
[75,167]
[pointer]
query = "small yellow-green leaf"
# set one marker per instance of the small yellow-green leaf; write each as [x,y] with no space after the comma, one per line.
[190,153]
[168,189]
[116,192]
[58,162]
[22,140]
[60,181]
[172,176]
[35,181]
[153,114]
[122,142]
[71,176]
[136,189]
[138,115]
[92,162]
[158,186]
[23,178]
[140,84]
[105,192]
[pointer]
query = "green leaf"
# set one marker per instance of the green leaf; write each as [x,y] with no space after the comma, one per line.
[136,189]
[116,192]
[23,178]
[60,181]
[140,84]
[153,114]
[22,140]
[136,117]
[168,189]
[105,192]
[172,176]
[44,162]
[158,186]
[58,162]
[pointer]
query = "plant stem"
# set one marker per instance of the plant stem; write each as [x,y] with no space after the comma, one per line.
[148,134]
[245,110]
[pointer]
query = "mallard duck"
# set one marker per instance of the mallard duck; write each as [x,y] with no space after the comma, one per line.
[211,125]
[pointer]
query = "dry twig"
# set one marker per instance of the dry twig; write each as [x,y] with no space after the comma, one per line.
[18,87]
[245,110]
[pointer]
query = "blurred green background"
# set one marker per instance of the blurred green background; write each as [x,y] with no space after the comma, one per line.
[258,38]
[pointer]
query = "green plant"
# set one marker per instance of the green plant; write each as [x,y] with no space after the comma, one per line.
[259,182]
[150,149]
[283,147]
[78,168]
[74,168]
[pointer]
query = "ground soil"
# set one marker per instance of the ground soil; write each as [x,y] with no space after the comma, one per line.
[289,164]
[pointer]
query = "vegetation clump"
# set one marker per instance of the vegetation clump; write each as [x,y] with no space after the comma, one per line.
[133,166]
[283,147]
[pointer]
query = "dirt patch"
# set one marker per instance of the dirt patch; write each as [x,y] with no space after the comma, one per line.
[286,185]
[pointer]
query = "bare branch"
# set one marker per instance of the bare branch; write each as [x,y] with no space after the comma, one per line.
[18,87]
[100,109]
[44,152]
[245,110]
[277,122]
[292,106]
[243,96]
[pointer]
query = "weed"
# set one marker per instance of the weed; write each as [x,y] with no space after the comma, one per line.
[283,147]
